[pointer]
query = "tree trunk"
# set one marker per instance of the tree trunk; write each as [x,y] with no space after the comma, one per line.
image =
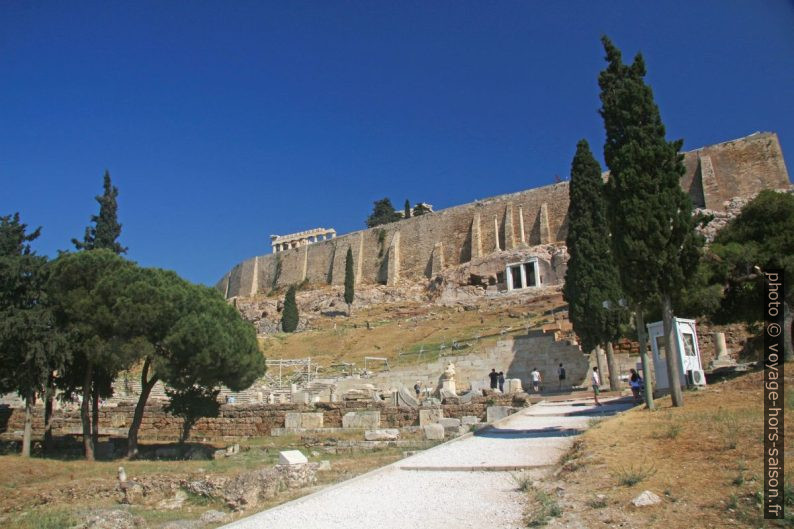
[48,409]
[673,355]
[614,374]
[95,415]
[597,351]
[88,443]
[788,332]
[137,418]
[642,337]
[28,430]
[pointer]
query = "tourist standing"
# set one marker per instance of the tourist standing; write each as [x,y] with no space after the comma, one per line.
[501,381]
[636,383]
[596,385]
[494,376]
[561,375]
[418,388]
[536,380]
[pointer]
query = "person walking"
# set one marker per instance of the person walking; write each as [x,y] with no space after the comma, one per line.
[596,385]
[636,383]
[501,381]
[494,376]
[536,380]
[561,375]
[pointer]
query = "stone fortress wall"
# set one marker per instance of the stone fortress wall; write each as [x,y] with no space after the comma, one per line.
[419,247]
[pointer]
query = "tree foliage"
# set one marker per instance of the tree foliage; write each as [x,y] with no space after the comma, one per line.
[650,217]
[761,238]
[30,348]
[289,316]
[350,280]
[407,209]
[420,209]
[591,278]
[192,404]
[106,229]
[382,213]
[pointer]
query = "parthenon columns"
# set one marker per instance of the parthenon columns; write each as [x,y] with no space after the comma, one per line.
[282,243]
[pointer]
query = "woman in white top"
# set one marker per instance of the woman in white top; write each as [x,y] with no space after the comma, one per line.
[596,386]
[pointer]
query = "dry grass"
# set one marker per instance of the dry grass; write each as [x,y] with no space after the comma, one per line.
[48,493]
[407,327]
[704,459]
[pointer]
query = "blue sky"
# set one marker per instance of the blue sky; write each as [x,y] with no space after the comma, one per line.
[222,122]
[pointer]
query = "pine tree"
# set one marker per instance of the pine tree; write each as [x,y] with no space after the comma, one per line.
[591,280]
[650,216]
[289,316]
[407,210]
[30,348]
[382,213]
[350,280]
[106,229]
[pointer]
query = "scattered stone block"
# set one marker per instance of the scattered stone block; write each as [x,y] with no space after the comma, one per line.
[386,434]
[430,416]
[434,432]
[174,502]
[361,419]
[291,457]
[292,419]
[645,499]
[232,449]
[311,420]
[514,385]
[213,516]
[325,465]
[494,413]
[449,422]
[468,420]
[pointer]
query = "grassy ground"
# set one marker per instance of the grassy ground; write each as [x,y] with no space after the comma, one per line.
[41,493]
[703,459]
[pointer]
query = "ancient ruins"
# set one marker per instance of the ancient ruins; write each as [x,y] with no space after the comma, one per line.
[506,232]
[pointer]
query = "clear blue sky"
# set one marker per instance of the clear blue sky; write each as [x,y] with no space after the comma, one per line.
[222,122]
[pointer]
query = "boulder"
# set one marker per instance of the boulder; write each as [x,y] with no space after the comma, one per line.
[468,420]
[645,499]
[213,516]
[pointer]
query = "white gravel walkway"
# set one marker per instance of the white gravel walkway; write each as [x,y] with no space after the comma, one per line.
[463,483]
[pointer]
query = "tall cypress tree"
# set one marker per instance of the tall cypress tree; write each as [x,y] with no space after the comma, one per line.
[350,280]
[103,234]
[591,278]
[106,229]
[289,316]
[407,211]
[650,216]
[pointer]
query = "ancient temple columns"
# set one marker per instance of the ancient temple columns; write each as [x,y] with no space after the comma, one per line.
[281,243]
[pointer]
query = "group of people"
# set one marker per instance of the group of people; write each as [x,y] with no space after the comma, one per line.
[497,380]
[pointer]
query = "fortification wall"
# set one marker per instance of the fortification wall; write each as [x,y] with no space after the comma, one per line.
[418,247]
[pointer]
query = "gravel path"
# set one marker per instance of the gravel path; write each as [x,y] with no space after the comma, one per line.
[463,483]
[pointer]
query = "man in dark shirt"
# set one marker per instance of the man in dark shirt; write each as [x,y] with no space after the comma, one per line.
[494,376]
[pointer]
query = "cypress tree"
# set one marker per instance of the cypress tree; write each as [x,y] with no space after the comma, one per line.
[350,280]
[407,210]
[289,316]
[650,216]
[106,229]
[591,278]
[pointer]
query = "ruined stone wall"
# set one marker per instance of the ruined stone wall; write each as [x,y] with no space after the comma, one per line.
[417,247]
[234,421]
